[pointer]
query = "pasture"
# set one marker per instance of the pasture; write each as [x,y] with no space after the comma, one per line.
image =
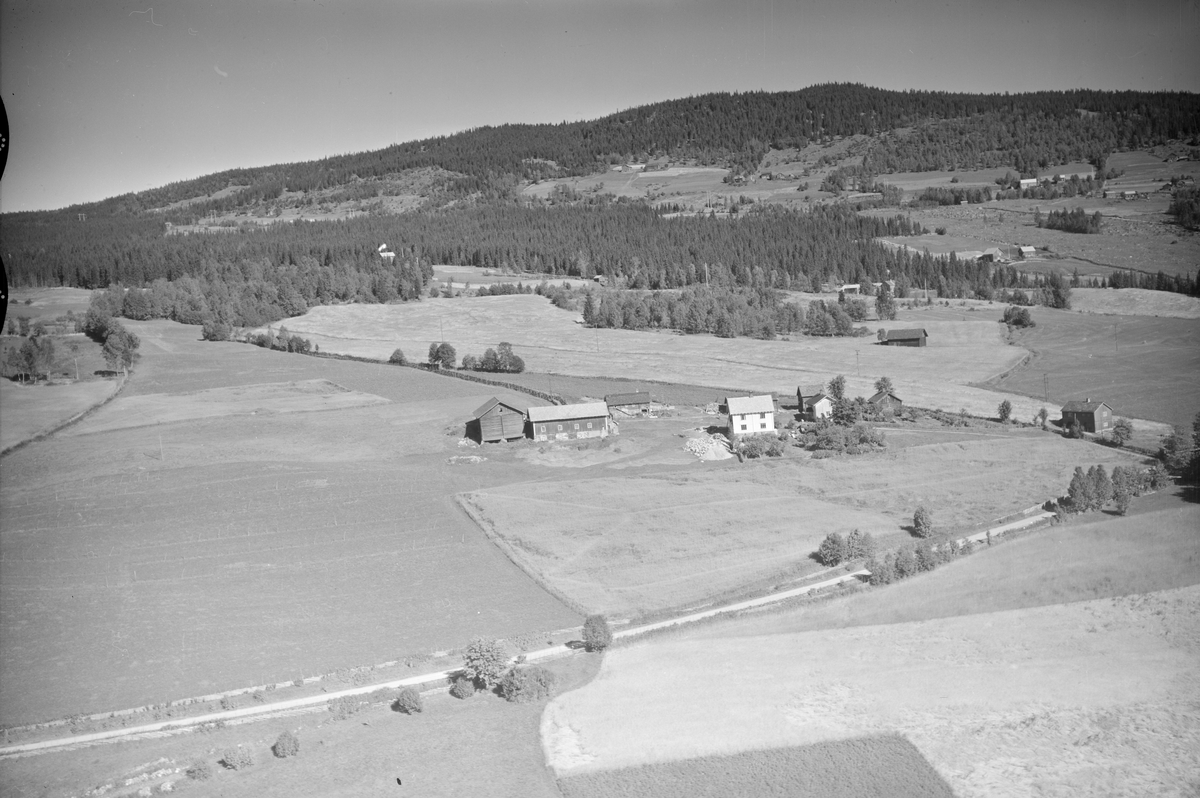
[1013,703]
[27,411]
[149,563]
[636,545]
[644,543]
[1143,367]
[1134,302]
[553,340]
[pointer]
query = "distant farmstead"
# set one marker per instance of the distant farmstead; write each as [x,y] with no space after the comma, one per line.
[913,337]
[568,422]
[632,403]
[751,415]
[1091,416]
[500,421]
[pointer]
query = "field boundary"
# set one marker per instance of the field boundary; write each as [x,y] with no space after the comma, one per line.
[80,416]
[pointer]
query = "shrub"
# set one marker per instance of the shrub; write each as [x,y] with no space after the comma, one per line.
[596,634]
[344,707]
[287,745]
[833,550]
[1017,317]
[463,687]
[906,563]
[927,559]
[409,701]
[882,570]
[923,522]
[215,331]
[398,358]
[1122,431]
[199,770]
[1004,411]
[523,685]
[484,661]
[237,758]
[775,448]
[752,446]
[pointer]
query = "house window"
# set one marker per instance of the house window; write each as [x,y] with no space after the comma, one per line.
[762,425]
[543,428]
[743,428]
[576,427]
[762,415]
[560,427]
[589,425]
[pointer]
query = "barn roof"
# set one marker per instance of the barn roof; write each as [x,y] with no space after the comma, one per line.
[565,412]
[1086,406]
[879,397]
[738,405]
[905,335]
[490,403]
[635,398]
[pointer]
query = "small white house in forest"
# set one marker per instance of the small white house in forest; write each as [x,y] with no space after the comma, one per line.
[750,415]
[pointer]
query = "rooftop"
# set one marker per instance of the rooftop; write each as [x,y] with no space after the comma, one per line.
[739,405]
[565,412]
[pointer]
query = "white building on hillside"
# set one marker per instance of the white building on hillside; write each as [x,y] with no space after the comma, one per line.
[750,415]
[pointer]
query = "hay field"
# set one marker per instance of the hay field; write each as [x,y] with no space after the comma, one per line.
[552,340]
[246,548]
[27,411]
[1028,702]
[48,303]
[643,543]
[635,545]
[243,400]
[1134,302]
[1143,367]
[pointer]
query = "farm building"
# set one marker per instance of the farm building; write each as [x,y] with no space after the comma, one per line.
[887,403]
[1082,174]
[991,255]
[851,288]
[567,422]
[814,403]
[1028,182]
[750,415]
[1092,416]
[913,337]
[500,421]
[632,403]
[1027,252]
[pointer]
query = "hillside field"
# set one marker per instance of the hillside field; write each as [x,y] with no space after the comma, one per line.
[188,555]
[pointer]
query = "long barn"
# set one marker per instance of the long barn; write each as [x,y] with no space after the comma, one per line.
[566,422]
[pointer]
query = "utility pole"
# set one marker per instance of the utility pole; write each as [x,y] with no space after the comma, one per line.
[1046,384]
[857,368]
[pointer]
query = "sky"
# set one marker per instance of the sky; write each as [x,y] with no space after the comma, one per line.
[106,97]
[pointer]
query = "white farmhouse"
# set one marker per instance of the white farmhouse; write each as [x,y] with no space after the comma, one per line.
[750,415]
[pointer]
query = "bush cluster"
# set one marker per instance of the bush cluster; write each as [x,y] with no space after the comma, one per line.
[501,360]
[463,687]
[288,744]
[523,685]
[408,701]
[858,438]
[755,446]
[597,635]
[835,549]
[1095,488]
[237,758]
[484,662]
[345,707]
[1018,317]
[924,556]
[284,342]
[199,770]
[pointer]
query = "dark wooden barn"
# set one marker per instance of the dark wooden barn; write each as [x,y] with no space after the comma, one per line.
[500,421]
[887,403]
[913,337]
[1092,416]
[632,403]
[565,422]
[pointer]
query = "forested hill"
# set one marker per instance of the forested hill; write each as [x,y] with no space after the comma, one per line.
[735,131]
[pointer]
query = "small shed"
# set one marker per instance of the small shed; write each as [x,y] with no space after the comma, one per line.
[814,402]
[887,404]
[632,403]
[500,420]
[912,337]
[1029,182]
[568,422]
[750,415]
[1092,416]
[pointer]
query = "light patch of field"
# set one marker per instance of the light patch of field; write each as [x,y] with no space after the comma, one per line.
[48,303]
[267,398]
[1134,302]
[552,340]
[27,411]
[1028,702]
[638,545]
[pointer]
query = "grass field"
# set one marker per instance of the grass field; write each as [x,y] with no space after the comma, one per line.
[27,411]
[1134,302]
[551,340]
[635,545]
[884,766]
[1142,367]
[47,303]
[482,746]
[643,543]
[245,548]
